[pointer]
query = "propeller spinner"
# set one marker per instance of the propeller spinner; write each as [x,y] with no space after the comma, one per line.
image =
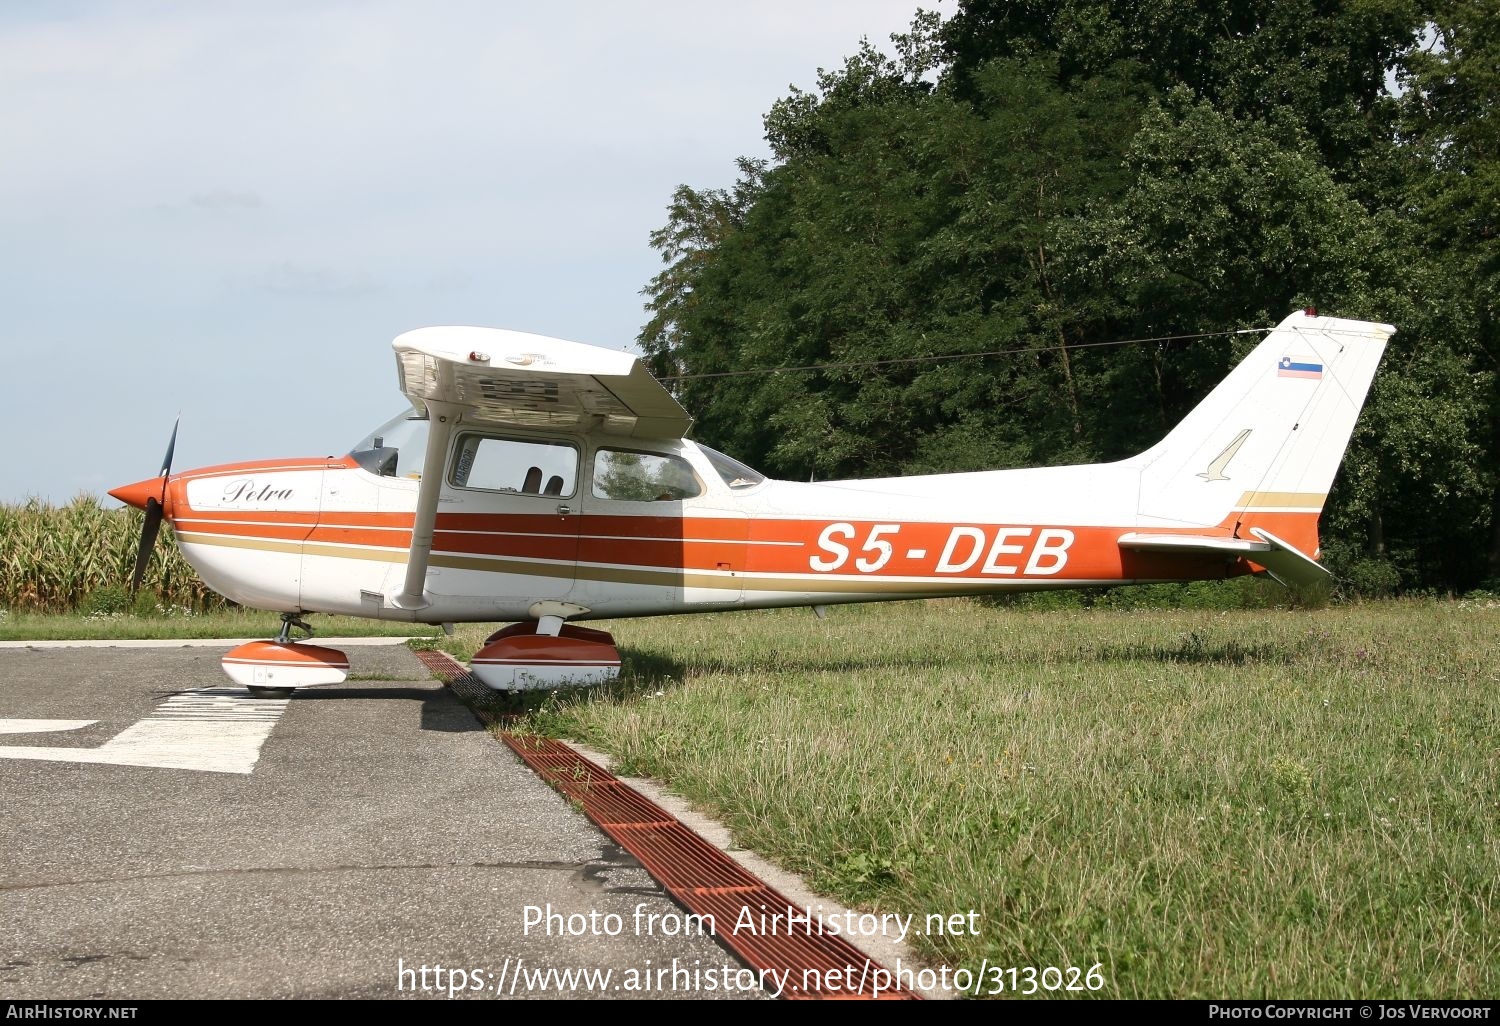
[151,496]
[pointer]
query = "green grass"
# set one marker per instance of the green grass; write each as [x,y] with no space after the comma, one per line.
[1236,804]
[232,623]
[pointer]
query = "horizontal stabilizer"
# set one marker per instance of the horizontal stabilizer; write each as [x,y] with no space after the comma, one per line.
[1281,560]
[1201,545]
[1289,566]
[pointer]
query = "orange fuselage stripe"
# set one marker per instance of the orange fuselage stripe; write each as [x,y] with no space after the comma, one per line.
[760,546]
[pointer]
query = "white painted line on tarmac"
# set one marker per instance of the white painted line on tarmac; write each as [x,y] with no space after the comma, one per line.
[214,730]
[41,726]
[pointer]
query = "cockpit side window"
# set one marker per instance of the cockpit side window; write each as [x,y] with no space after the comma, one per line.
[514,465]
[395,449]
[643,477]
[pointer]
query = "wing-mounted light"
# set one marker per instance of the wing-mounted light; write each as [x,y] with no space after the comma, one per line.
[418,374]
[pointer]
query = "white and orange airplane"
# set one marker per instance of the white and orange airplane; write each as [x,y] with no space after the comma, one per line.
[546,483]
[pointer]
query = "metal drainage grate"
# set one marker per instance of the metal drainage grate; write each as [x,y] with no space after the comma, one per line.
[695,873]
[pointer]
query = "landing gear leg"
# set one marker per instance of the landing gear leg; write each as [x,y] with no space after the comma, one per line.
[283,637]
[288,621]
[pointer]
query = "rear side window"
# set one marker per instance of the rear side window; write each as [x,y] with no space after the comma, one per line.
[735,474]
[643,477]
[518,465]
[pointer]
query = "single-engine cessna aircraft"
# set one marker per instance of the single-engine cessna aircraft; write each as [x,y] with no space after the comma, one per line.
[547,482]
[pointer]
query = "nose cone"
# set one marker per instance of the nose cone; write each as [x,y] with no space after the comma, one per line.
[137,494]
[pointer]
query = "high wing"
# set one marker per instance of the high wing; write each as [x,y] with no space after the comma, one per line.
[498,377]
[511,377]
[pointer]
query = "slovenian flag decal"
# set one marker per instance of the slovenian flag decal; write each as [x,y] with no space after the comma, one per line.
[1298,367]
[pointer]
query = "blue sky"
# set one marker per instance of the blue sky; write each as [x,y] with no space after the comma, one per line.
[230,209]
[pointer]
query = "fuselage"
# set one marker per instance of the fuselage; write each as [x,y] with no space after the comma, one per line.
[573,519]
[539,480]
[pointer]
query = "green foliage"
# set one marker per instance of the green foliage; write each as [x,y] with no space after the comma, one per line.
[1025,180]
[1236,593]
[861,876]
[112,598]
[900,224]
[1318,65]
[1451,124]
[1291,786]
[1372,576]
[81,556]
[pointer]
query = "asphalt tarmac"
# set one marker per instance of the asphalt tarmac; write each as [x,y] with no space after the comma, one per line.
[166,837]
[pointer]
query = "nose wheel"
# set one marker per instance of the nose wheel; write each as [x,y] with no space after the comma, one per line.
[274,669]
[264,692]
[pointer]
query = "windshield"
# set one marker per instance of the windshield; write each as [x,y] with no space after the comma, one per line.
[396,448]
[735,474]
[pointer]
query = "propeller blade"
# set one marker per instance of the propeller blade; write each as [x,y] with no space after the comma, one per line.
[166,463]
[149,530]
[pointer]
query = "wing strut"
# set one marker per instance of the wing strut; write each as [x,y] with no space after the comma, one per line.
[442,418]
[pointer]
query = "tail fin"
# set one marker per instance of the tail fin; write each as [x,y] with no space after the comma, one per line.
[1260,453]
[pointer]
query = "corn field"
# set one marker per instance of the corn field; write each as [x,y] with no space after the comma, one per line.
[57,559]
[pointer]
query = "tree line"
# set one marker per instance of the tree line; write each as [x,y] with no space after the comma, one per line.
[1029,179]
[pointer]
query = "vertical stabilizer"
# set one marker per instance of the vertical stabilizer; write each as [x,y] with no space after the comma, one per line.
[1262,449]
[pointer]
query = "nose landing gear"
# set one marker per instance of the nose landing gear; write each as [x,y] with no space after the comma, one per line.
[274,669]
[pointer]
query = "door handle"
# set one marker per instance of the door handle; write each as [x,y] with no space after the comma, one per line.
[564,508]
